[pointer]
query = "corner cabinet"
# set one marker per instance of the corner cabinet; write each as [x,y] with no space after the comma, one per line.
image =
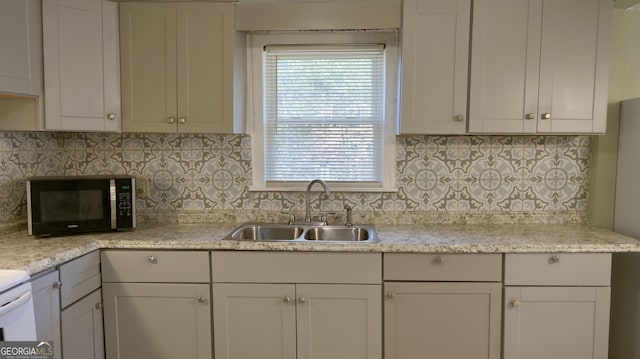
[81,302]
[81,65]
[177,67]
[21,43]
[442,306]
[435,58]
[157,304]
[46,307]
[557,306]
[271,305]
[539,66]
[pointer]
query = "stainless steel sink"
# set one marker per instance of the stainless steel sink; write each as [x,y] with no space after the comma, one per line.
[266,232]
[337,233]
[303,233]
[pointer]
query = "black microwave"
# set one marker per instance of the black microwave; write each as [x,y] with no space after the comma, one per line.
[80,204]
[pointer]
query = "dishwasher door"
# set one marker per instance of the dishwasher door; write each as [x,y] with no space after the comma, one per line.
[17,321]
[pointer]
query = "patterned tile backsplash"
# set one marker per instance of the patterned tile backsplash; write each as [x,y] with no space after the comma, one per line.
[195,174]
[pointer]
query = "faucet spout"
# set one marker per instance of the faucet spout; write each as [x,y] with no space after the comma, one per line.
[307,215]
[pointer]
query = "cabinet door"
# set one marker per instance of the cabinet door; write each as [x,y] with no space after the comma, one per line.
[254,321]
[556,322]
[148,60]
[205,36]
[339,321]
[505,50]
[21,43]
[46,307]
[574,65]
[81,67]
[435,58]
[145,320]
[442,320]
[82,333]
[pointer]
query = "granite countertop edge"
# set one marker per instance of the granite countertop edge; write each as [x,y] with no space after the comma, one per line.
[35,255]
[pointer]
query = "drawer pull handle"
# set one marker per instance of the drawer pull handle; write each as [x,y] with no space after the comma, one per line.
[554,259]
[515,303]
[391,295]
[301,300]
[201,299]
[57,285]
[438,260]
[152,259]
[286,300]
[99,306]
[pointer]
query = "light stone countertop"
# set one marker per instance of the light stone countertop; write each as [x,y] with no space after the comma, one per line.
[21,251]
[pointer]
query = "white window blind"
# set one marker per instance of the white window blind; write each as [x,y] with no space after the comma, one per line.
[324,113]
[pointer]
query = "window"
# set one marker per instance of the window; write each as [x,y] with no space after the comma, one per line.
[324,109]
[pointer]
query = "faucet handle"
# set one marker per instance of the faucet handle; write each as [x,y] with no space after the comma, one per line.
[292,217]
[324,215]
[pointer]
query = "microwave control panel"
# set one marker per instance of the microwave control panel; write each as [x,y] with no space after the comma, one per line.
[125,201]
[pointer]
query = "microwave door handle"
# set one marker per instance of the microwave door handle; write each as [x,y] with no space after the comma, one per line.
[114,217]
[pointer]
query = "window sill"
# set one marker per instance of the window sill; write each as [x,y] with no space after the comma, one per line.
[319,189]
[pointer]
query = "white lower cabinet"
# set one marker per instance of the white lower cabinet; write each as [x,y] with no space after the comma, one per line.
[301,321]
[556,306]
[46,307]
[556,322]
[82,333]
[431,320]
[157,304]
[151,320]
[433,314]
[263,309]
[81,303]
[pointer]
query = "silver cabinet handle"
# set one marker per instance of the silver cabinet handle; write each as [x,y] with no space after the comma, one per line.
[152,259]
[171,120]
[438,260]
[301,300]
[554,259]
[459,117]
[201,299]
[111,116]
[99,306]
[182,119]
[391,295]
[545,116]
[530,116]
[286,300]
[57,285]
[515,303]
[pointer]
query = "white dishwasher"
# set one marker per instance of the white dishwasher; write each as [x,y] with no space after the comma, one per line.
[17,321]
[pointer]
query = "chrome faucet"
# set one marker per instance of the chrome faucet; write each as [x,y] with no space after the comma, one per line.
[307,215]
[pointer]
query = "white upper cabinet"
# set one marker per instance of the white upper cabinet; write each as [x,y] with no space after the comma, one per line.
[81,65]
[435,59]
[177,67]
[539,66]
[21,44]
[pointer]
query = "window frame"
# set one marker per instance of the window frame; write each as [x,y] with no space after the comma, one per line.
[255,102]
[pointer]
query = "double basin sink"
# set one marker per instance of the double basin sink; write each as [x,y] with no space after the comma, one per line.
[303,233]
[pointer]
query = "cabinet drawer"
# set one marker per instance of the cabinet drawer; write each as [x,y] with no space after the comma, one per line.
[298,267]
[443,267]
[569,269]
[79,277]
[155,266]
